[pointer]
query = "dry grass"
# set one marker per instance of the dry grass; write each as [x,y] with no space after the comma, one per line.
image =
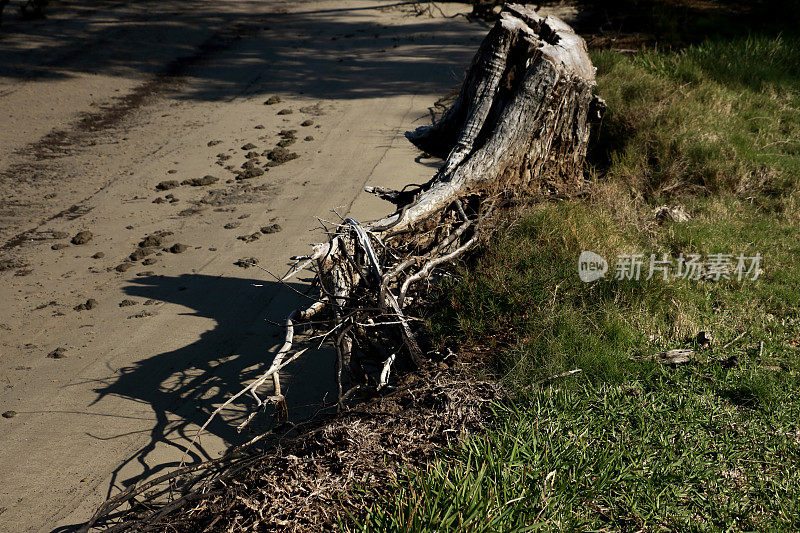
[314,481]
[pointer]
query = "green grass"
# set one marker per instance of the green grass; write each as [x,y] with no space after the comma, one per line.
[628,445]
[720,116]
[612,457]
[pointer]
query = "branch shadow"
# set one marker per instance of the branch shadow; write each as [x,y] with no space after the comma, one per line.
[185,385]
[325,53]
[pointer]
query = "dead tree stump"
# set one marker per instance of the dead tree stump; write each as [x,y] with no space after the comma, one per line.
[520,126]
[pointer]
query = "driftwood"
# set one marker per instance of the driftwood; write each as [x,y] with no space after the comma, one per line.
[519,127]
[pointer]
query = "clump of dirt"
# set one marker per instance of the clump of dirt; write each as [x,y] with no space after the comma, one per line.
[127,303]
[245,194]
[246,262]
[142,252]
[59,246]
[159,200]
[286,142]
[249,146]
[249,238]
[334,468]
[149,261]
[123,267]
[250,173]
[272,228]
[307,123]
[189,212]
[99,255]
[272,100]
[286,111]
[88,305]
[142,314]
[213,143]
[232,225]
[58,353]
[315,110]
[152,240]
[251,155]
[280,155]
[288,134]
[309,138]
[200,182]
[82,237]
[167,185]
[9,414]
[178,248]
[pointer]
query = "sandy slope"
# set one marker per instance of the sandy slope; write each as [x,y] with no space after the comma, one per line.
[100,104]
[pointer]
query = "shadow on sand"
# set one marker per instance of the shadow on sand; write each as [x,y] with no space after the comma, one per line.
[185,385]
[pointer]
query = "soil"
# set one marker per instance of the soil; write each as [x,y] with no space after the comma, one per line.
[272,228]
[82,237]
[281,155]
[89,304]
[167,185]
[200,182]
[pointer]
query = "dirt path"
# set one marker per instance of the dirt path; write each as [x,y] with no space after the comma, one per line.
[98,106]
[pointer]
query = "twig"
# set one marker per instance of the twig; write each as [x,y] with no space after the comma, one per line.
[430,265]
[557,376]
[739,336]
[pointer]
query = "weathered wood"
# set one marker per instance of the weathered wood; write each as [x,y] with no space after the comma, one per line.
[520,126]
[521,121]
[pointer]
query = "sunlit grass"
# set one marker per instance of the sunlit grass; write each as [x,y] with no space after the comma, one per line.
[628,445]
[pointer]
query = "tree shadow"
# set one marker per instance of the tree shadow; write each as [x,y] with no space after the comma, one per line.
[674,24]
[329,53]
[184,386]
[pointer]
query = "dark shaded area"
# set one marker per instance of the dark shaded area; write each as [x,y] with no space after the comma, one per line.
[274,52]
[631,24]
[185,385]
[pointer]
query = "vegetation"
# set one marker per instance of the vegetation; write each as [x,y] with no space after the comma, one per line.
[714,129]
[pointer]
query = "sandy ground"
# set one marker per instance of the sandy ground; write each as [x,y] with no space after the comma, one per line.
[100,104]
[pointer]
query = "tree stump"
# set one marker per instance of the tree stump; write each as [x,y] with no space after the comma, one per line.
[520,126]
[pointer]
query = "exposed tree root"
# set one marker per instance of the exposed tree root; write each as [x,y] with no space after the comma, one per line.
[519,127]
[312,481]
